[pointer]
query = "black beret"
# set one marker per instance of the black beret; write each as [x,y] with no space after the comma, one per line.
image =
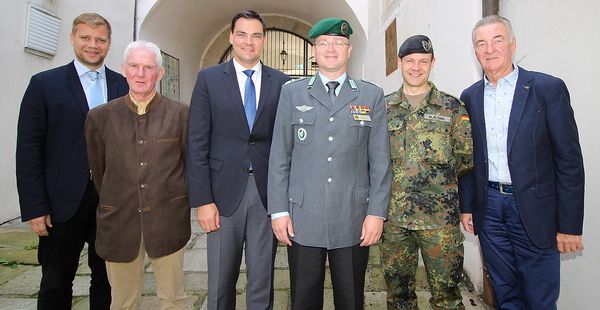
[330,26]
[416,44]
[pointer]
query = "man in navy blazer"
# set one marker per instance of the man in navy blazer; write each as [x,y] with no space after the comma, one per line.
[524,197]
[232,113]
[56,194]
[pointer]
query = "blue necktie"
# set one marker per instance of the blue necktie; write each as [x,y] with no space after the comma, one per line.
[95,96]
[249,99]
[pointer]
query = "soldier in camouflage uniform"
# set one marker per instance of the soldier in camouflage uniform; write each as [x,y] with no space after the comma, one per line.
[431,146]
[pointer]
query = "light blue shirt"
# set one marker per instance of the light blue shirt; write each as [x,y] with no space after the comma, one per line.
[341,79]
[86,82]
[497,103]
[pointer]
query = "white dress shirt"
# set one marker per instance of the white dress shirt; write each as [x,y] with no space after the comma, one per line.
[242,77]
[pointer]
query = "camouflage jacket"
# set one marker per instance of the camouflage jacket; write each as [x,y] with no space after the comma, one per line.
[430,148]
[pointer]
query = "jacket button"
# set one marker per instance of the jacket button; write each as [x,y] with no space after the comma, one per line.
[143,186]
[329,180]
[330,138]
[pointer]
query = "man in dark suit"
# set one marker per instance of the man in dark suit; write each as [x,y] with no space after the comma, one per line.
[525,196]
[231,122]
[56,193]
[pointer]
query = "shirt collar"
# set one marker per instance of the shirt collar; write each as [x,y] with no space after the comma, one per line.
[82,69]
[341,79]
[239,69]
[511,78]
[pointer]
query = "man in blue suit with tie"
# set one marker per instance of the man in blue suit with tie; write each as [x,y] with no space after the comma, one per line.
[232,112]
[525,196]
[56,194]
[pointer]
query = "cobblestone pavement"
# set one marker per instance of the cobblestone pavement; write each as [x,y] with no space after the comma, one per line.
[20,276]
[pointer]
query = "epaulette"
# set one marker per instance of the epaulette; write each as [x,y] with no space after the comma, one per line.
[294,80]
[372,83]
[452,96]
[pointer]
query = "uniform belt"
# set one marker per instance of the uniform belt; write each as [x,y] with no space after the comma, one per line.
[503,188]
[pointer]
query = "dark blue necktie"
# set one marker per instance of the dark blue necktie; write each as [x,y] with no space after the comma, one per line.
[249,99]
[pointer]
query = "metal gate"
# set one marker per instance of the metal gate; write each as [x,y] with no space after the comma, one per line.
[286,52]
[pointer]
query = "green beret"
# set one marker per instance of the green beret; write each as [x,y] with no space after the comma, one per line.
[332,27]
[416,44]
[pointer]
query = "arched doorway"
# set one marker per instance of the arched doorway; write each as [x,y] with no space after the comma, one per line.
[287,52]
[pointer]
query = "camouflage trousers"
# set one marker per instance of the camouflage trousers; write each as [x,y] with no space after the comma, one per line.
[442,252]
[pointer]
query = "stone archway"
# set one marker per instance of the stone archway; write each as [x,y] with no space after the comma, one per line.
[219,45]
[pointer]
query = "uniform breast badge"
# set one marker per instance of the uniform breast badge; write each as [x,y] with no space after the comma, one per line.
[360,112]
[302,134]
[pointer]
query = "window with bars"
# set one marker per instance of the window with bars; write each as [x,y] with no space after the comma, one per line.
[286,52]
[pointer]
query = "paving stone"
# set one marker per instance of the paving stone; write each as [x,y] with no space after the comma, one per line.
[27,284]
[17,303]
[8,273]
[19,246]
[195,260]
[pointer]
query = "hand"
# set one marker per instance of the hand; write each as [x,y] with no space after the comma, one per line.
[371,230]
[569,243]
[467,221]
[208,217]
[282,228]
[39,225]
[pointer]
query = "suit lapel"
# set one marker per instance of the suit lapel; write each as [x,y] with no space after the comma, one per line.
[230,83]
[346,96]
[265,90]
[112,88]
[478,109]
[76,89]
[524,83]
[318,92]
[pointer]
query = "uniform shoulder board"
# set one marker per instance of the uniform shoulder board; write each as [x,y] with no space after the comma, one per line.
[372,83]
[452,96]
[294,80]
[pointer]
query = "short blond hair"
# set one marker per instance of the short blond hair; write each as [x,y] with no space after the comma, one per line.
[91,19]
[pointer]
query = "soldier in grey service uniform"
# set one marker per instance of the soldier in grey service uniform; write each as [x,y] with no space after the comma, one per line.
[430,138]
[329,173]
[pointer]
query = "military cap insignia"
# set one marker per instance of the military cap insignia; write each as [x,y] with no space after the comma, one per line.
[426,45]
[344,28]
[303,108]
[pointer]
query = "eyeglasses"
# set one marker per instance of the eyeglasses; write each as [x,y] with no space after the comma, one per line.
[336,43]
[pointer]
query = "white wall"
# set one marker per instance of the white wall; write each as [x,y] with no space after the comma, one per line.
[561,38]
[19,66]
[449,27]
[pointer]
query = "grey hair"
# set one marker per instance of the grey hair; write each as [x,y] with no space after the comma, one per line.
[494,19]
[140,44]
